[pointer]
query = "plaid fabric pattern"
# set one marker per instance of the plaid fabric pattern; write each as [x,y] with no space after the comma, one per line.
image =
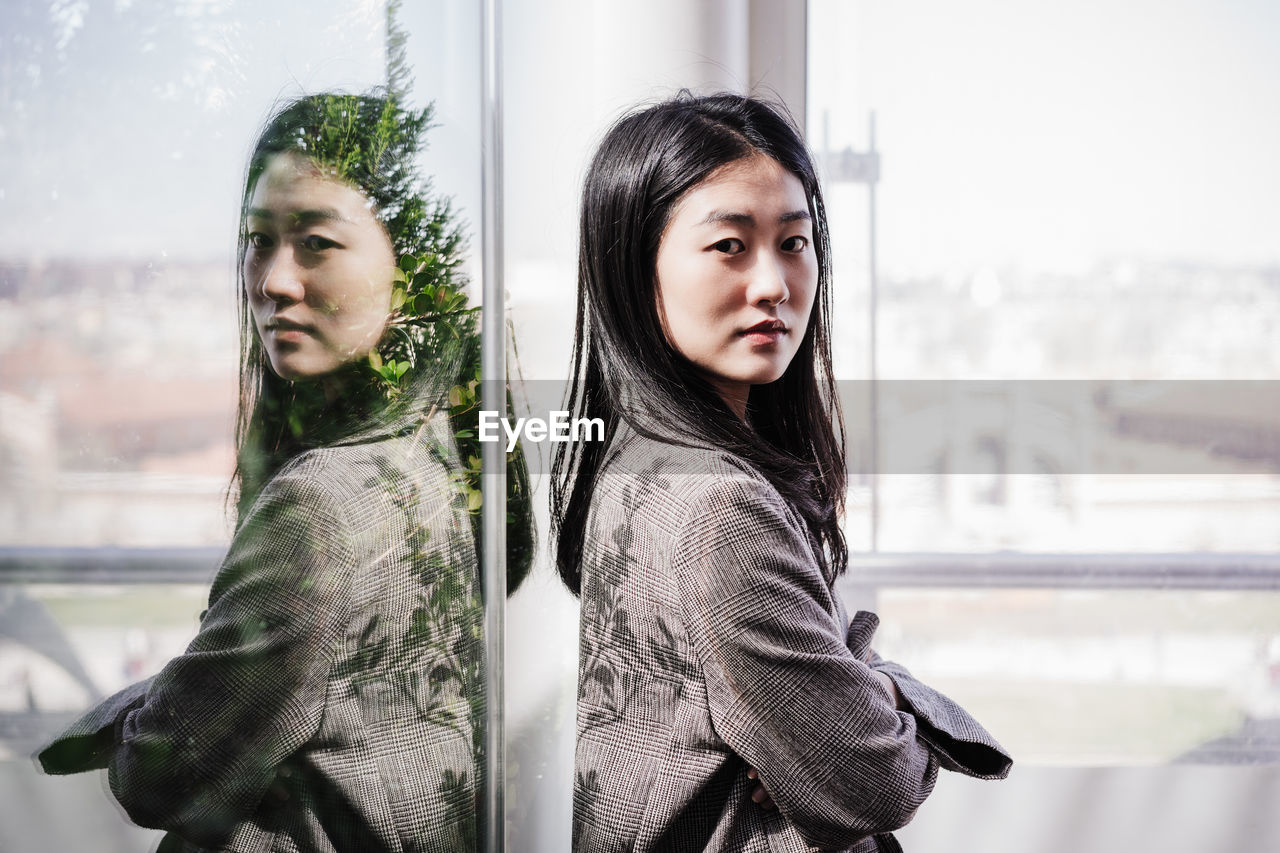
[710,643]
[325,704]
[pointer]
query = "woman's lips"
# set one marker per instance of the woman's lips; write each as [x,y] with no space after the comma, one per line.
[287,330]
[768,332]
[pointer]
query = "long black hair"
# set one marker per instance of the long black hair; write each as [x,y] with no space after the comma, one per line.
[427,358]
[794,433]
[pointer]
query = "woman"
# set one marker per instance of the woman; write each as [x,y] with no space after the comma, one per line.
[330,700]
[719,675]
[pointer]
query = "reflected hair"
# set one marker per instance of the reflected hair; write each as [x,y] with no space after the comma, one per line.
[371,143]
[794,434]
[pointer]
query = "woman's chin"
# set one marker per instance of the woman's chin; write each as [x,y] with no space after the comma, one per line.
[765,376]
[291,367]
[290,373]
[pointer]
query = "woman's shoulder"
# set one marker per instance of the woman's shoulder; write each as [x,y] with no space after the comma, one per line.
[692,480]
[359,500]
[353,475]
[702,516]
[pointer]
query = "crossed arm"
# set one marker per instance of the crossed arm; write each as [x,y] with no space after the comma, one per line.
[787,692]
[195,749]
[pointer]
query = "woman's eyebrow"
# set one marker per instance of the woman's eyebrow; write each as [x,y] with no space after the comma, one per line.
[300,217]
[716,217]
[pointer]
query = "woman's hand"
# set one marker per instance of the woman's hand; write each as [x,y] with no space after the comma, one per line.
[759,794]
[895,698]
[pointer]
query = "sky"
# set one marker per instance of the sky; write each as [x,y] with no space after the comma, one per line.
[1044,135]
[1053,134]
[125,124]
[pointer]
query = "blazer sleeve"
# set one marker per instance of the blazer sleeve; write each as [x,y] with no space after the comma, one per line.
[199,753]
[959,741]
[785,692]
[87,743]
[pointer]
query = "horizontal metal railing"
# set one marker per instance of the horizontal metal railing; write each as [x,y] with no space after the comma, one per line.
[27,564]
[1206,571]
[1203,571]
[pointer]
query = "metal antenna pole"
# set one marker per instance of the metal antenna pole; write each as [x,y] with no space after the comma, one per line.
[871,321]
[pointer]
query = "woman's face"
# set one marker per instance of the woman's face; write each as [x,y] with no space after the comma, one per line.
[318,269]
[737,274]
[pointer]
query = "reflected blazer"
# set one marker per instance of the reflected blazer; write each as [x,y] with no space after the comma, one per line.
[711,644]
[327,702]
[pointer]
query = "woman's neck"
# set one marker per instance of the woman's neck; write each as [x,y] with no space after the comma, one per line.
[734,395]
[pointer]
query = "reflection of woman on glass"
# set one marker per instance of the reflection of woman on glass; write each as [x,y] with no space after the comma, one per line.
[330,698]
[719,674]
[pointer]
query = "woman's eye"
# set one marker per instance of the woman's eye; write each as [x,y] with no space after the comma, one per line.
[795,244]
[729,245]
[258,240]
[316,243]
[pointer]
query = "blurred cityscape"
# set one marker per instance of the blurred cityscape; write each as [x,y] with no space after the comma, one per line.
[118,385]
[1120,319]
[117,396]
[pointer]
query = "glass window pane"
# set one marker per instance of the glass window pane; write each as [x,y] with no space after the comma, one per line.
[124,132]
[1067,260]
[1051,207]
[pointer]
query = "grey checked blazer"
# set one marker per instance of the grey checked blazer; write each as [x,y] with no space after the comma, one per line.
[711,643]
[327,702]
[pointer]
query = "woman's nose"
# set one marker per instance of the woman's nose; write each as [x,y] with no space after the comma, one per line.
[281,279]
[769,282]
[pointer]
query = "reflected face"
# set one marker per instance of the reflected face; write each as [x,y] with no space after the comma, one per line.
[737,274]
[318,269]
